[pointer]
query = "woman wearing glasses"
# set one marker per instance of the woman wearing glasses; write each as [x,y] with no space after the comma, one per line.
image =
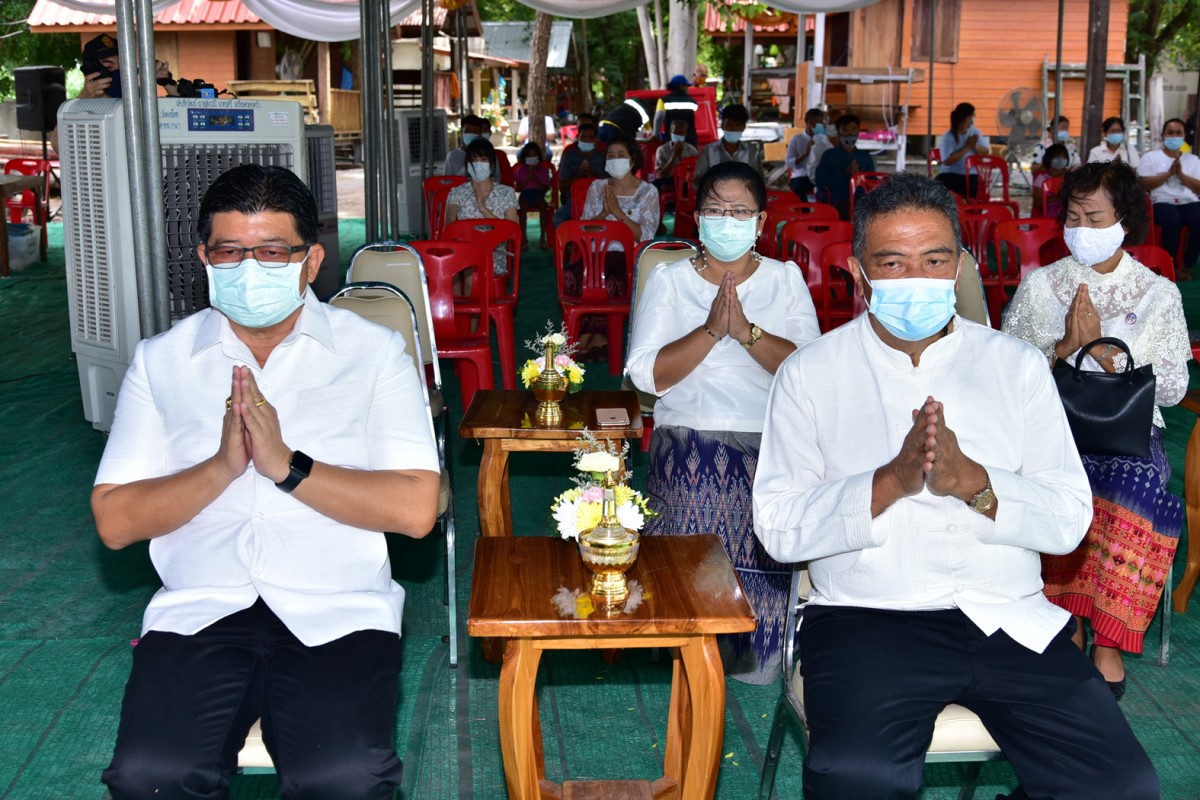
[708,335]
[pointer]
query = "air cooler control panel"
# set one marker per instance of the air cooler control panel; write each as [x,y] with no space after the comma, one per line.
[227,119]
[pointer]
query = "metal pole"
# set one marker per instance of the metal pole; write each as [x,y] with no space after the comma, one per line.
[370,95]
[801,57]
[390,201]
[748,58]
[152,158]
[932,48]
[427,11]
[135,150]
[1058,62]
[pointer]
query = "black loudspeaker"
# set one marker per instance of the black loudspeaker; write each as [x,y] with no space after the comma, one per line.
[40,91]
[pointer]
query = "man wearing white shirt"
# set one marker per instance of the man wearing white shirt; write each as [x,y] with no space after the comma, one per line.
[262,446]
[798,151]
[919,463]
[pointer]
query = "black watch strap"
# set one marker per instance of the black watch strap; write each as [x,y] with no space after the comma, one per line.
[300,466]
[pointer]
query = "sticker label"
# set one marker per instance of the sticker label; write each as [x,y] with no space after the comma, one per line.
[278,119]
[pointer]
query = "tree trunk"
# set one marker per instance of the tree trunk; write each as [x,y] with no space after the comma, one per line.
[1094,81]
[536,107]
[648,47]
[658,39]
[586,101]
[681,38]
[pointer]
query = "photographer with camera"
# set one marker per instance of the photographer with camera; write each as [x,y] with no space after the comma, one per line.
[102,70]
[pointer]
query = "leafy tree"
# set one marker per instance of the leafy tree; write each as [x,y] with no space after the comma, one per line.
[20,48]
[504,11]
[1164,29]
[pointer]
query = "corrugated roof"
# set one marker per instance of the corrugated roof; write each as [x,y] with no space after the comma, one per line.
[510,40]
[47,13]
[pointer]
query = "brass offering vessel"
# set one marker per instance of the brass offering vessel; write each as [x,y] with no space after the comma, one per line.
[549,388]
[608,550]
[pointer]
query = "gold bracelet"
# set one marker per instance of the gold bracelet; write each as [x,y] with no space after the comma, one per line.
[708,330]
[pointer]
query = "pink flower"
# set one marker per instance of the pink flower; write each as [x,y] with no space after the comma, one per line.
[593,494]
[561,361]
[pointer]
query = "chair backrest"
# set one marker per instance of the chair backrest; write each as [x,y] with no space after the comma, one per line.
[804,240]
[554,196]
[933,159]
[443,262]
[649,256]
[838,299]
[579,191]
[1154,258]
[783,211]
[987,168]
[590,242]
[977,221]
[493,235]
[1051,189]
[684,176]
[436,189]
[866,181]
[781,196]
[399,265]
[1019,245]
[1152,231]
[649,154]
[970,301]
[504,166]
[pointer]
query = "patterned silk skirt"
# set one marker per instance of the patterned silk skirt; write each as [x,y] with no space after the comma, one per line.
[700,482]
[1116,576]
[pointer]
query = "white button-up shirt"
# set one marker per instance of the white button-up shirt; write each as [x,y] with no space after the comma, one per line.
[346,394]
[727,391]
[840,408]
[1172,191]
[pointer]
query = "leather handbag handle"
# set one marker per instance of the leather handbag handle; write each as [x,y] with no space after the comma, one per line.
[1105,340]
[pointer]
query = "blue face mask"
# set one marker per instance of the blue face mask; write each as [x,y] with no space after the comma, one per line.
[467,138]
[913,309]
[1115,138]
[678,137]
[732,137]
[586,147]
[1062,136]
[727,239]
[255,296]
[819,129]
[1173,142]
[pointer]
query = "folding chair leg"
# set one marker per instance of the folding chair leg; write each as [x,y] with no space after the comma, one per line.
[970,779]
[1164,637]
[766,783]
[451,580]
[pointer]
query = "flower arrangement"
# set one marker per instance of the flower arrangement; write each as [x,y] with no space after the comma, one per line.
[578,509]
[564,362]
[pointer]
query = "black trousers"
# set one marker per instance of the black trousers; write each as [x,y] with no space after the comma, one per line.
[1173,219]
[959,184]
[328,712]
[802,187]
[874,681]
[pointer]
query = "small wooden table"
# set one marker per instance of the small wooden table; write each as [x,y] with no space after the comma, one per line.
[503,419]
[1191,500]
[691,593]
[10,184]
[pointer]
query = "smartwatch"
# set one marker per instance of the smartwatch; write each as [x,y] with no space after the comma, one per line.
[299,468]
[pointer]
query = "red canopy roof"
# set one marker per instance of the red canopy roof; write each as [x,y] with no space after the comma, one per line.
[47,13]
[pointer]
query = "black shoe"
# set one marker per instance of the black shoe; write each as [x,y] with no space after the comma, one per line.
[1117,688]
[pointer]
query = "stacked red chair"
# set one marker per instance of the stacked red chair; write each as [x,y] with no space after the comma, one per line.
[589,243]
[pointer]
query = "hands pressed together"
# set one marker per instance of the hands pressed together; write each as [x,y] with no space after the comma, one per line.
[930,457]
[726,317]
[251,432]
[1081,325]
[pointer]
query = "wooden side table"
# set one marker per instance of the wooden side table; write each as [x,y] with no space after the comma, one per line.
[503,419]
[1191,499]
[691,594]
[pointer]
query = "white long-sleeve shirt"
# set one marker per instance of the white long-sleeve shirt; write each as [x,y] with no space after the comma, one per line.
[840,408]
[727,391]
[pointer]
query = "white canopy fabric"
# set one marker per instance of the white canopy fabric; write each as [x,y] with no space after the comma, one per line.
[109,7]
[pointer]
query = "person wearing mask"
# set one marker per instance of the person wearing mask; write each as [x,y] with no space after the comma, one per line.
[837,164]
[1059,133]
[482,197]
[531,179]
[1100,290]
[582,159]
[1173,179]
[1115,145]
[101,63]
[730,146]
[456,160]
[800,148]
[708,335]
[920,464]
[1056,162]
[962,140]
[671,153]
[678,105]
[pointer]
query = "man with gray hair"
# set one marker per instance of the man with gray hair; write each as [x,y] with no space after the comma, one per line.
[920,463]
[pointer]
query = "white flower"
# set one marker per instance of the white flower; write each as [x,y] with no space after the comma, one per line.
[564,516]
[598,462]
[556,339]
[630,516]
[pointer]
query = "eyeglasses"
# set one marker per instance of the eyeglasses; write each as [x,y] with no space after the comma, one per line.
[713,214]
[270,256]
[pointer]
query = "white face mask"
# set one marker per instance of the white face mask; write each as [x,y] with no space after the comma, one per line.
[1091,246]
[479,170]
[617,167]
[255,296]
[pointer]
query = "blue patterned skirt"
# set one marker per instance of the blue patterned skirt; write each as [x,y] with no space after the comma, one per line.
[700,482]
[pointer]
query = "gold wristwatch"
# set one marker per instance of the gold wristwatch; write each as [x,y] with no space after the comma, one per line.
[756,333]
[985,500]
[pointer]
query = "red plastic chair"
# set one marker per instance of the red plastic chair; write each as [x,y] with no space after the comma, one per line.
[837,287]
[505,167]
[492,235]
[987,168]
[933,159]
[589,243]
[804,242]
[27,200]
[437,189]
[444,261]
[1019,249]
[1154,258]
[649,154]
[865,181]
[685,199]
[1051,189]
[780,212]
[977,221]
[579,191]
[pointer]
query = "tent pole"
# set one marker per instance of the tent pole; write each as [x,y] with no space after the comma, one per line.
[389,200]
[370,89]
[748,59]
[932,47]
[152,157]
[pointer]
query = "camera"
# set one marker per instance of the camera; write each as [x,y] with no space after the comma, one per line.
[197,88]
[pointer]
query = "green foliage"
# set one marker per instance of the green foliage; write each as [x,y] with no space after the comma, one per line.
[26,49]
[1164,30]
[504,11]
[615,48]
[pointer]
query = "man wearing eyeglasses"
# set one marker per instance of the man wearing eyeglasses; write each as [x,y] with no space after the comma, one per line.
[262,446]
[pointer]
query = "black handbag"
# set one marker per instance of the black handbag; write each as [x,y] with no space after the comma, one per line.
[1110,413]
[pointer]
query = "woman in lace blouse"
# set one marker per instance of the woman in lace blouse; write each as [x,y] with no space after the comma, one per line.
[1100,290]
[481,197]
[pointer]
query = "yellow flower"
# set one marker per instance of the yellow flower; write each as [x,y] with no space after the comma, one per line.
[623,494]
[529,372]
[587,516]
[575,374]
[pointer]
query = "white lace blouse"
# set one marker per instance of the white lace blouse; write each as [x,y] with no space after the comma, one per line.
[1135,305]
[641,207]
